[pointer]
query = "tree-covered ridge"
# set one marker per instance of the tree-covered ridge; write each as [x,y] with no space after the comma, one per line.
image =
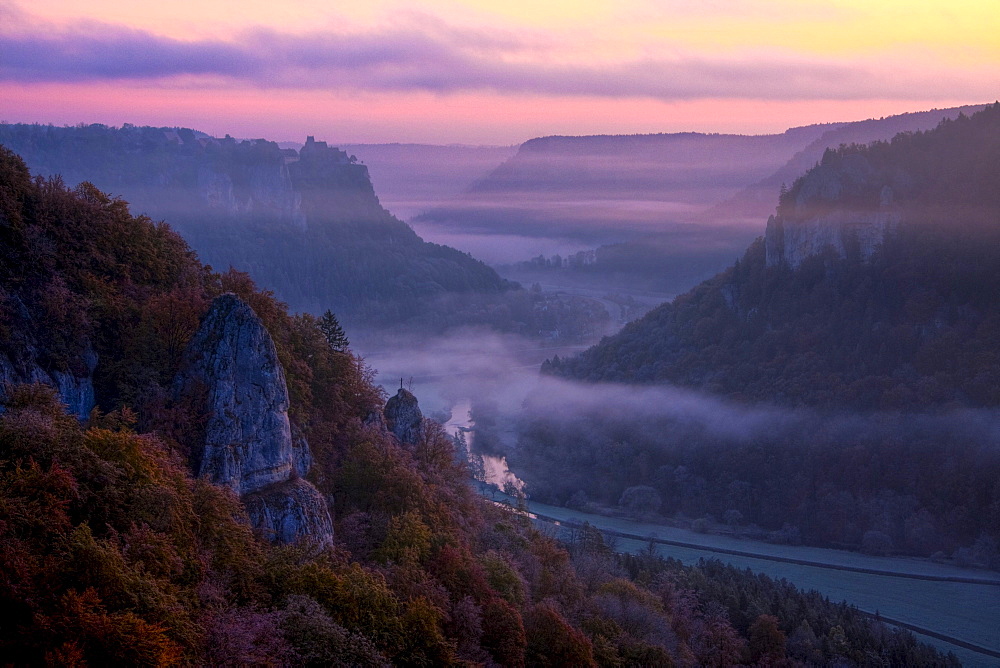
[922,485]
[947,176]
[111,553]
[858,346]
[306,224]
[915,326]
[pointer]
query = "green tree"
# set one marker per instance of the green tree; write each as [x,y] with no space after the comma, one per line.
[333,332]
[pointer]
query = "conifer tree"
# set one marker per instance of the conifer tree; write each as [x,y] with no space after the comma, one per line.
[333,332]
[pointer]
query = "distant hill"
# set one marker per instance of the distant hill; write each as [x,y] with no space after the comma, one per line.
[608,187]
[662,211]
[756,202]
[687,167]
[876,287]
[306,224]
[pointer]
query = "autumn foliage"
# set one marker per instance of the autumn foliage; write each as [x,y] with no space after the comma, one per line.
[111,553]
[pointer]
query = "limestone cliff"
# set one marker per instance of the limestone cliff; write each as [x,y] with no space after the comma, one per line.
[834,208]
[248,440]
[403,417]
[22,360]
[75,390]
[267,191]
[232,371]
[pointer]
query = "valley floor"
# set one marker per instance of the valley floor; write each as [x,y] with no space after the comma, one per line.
[959,606]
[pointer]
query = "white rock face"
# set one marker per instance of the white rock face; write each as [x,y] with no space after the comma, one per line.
[827,216]
[248,445]
[77,392]
[248,439]
[269,191]
[289,512]
[791,243]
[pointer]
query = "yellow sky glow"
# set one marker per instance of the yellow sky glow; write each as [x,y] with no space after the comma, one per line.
[833,26]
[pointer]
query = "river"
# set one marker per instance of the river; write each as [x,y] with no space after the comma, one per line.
[958,605]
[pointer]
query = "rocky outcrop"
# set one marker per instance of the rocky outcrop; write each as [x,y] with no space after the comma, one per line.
[75,390]
[289,512]
[248,439]
[839,208]
[843,232]
[403,417]
[232,369]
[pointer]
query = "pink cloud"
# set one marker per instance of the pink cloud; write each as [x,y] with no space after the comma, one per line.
[432,57]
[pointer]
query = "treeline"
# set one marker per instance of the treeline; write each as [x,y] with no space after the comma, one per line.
[886,484]
[951,168]
[730,616]
[374,271]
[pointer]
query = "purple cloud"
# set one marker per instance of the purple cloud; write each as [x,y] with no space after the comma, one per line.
[431,57]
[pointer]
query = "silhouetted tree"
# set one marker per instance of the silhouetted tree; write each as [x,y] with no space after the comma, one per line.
[333,332]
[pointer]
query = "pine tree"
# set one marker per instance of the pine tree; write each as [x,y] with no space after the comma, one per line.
[333,332]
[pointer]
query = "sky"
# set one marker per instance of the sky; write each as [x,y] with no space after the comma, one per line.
[490,71]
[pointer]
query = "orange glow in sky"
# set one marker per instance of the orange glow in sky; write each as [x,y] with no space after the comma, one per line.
[489,71]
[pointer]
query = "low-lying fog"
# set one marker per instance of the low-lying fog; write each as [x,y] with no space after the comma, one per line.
[519,226]
[473,367]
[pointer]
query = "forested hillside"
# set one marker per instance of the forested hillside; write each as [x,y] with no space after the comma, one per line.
[914,324]
[113,553]
[856,345]
[757,201]
[306,225]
